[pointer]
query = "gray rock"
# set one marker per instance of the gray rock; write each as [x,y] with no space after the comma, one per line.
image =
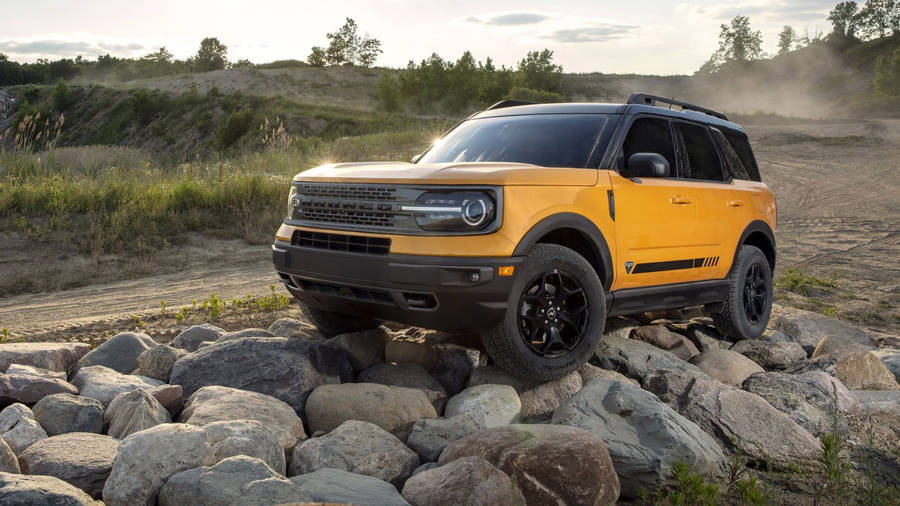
[776,336]
[19,428]
[589,371]
[858,371]
[170,396]
[729,367]
[119,353]
[619,327]
[287,369]
[9,463]
[134,411]
[453,366]
[157,362]
[240,334]
[637,359]
[402,352]
[645,437]
[364,349]
[879,402]
[104,384]
[771,356]
[394,409]
[357,447]
[429,436]
[148,458]
[24,490]
[846,398]
[663,338]
[838,346]
[28,388]
[52,356]
[35,371]
[246,437]
[725,412]
[468,480]
[802,400]
[551,464]
[219,404]
[83,460]
[487,405]
[407,375]
[336,486]
[538,400]
[296,329]
[191,338]
[890,357]
[809,328]
[425,467]
[63,413]
[706,338]
[235,480]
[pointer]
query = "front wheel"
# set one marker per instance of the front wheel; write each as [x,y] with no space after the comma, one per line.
[554,318]
[331,324]
[745,311]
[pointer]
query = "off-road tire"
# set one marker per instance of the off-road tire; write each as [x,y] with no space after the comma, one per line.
[505,343]
[332,324]
[731,319]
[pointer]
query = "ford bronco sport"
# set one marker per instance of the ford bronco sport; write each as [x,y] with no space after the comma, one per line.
[530,224]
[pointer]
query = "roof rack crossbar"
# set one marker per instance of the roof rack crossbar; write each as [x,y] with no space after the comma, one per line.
[645,99]
[508,103]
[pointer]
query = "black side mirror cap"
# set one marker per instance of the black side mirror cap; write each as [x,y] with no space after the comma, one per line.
[648,165]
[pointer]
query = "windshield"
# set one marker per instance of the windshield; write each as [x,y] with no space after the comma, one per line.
[548,140]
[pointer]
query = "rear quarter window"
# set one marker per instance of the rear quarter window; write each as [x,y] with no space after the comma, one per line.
[741,145]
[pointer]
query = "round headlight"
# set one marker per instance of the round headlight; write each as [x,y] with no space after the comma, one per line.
[474,212]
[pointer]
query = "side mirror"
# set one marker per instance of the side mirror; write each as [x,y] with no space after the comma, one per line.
[647,165]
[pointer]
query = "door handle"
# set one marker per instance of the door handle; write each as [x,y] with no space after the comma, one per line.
[680,199]
[735,203]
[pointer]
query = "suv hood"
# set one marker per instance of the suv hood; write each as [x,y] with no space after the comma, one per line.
[491,173]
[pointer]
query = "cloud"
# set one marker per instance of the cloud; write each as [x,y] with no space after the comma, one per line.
[776,10]
[509,19]
[601,32]
[64,48]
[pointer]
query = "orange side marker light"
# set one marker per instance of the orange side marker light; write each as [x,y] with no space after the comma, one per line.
[506,270]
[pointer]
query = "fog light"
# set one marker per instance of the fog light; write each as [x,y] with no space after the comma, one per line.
[506,270]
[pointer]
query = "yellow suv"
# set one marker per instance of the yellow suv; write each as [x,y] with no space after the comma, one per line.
[532,223]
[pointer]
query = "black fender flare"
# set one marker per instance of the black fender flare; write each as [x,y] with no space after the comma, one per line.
[595,237]
[761,227]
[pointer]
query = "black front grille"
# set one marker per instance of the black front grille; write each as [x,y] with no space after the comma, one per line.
[342,242]
[348,191]
[355,206]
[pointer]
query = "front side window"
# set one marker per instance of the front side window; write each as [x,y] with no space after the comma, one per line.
[650,135]
[547,140]
[702,160]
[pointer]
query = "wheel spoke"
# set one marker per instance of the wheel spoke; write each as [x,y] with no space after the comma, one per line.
[553,313]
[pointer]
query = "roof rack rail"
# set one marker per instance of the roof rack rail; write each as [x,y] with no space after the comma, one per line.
[508,103]
[645,99]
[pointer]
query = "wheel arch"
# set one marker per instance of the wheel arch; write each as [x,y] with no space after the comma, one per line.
[577,233]
[758,233]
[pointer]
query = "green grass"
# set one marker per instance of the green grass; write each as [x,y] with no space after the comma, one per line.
[803,283]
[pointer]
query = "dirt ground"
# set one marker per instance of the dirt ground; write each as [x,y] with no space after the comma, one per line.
[837,185]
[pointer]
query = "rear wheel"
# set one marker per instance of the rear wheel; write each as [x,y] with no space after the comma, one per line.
[331,324]
[554,318]
[745,311]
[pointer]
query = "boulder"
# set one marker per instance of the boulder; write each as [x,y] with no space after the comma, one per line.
[28,388]
[802,400]
[771,356]
[148,458]
[336,486]
[240,334]
[809,328]
[357,447]
[295,329]
[407,375]
[636,359]
[63,413]
[725,412]
[729,367]
[35,371]
[219,404]
[425,467]
[134,411]
[52,356]
[453,366]
[104,384]
[429,436]
[589,371]
[551,464]
[191,338]
[119,353]
[776,336]
[24,490]
[705,338]
[538,400]
[619,326]
[838,346]
[403,352]
[890,357]
[235,480]
[663,338]
[468,480]
[245,437]
[287,369]
[879,402]
[157,362]
[9,463]
[19,428]
[846,398]
[81,459]
[170,396]
[364,349]
[394,409]
[486,405]
[858,371]
[645,437]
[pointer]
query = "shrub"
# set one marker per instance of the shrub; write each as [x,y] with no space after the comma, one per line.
[887,74]
[532,95]
[233,128]
[387,93]
[61,95]
[144,105]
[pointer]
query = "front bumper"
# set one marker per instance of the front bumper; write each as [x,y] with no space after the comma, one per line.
[454,294]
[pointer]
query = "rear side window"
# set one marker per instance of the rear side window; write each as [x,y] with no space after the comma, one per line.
[741,146]
[650,135]
[732,160]
[702,157]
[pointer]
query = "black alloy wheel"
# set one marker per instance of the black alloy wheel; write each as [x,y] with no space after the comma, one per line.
[553,313]
[756,294]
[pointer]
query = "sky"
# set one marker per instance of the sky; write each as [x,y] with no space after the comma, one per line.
[635,36]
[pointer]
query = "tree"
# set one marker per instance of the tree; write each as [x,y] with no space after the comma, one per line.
[343,44]
[242,64]
[878,17]
[387,93]
[317,57]
[786,39]
[844,20]
[368,51]
[212,55]
[162,56]
[738,43]
[537,71]
[887,74]
[61,95]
